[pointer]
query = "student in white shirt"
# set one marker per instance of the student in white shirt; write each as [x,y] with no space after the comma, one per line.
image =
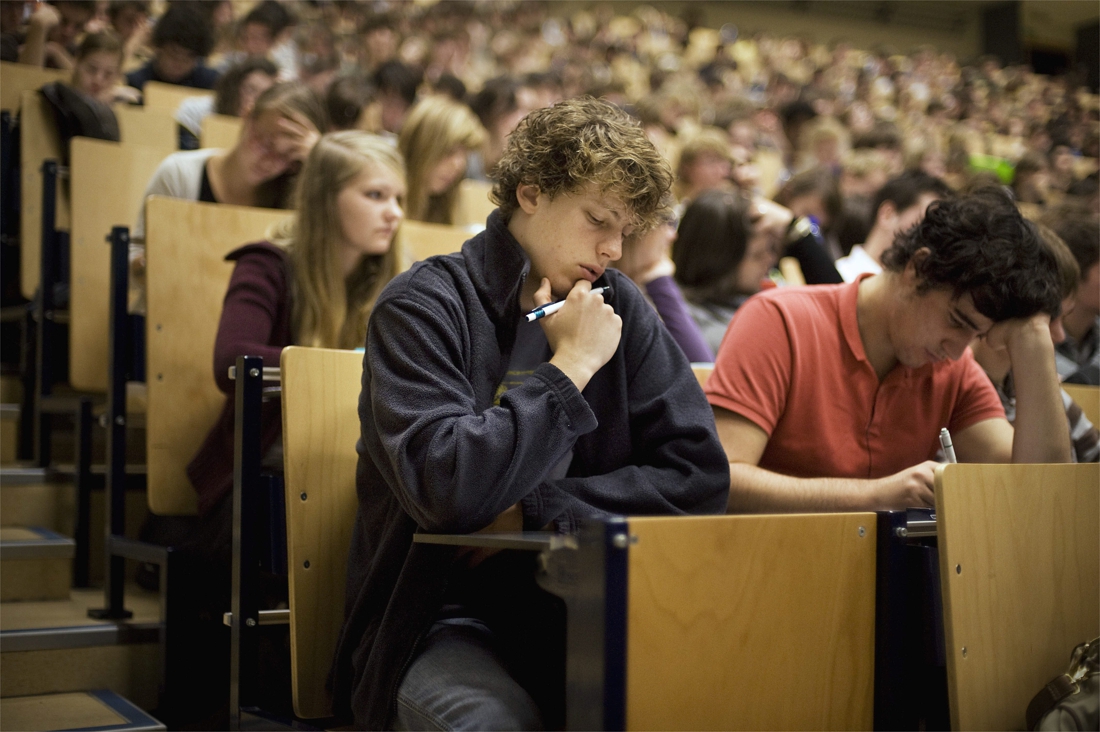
[898,206]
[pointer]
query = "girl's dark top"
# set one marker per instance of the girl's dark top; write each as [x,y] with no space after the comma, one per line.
[255,321]
[206,191]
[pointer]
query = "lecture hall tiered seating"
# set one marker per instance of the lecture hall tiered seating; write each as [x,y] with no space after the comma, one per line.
[800,621]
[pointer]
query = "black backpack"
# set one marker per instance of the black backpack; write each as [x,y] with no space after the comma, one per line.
[78,115]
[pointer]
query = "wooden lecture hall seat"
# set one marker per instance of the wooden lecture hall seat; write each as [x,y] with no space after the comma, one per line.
[1088,398]
[220,130]
[320,428]
[473,206]
[420,240]
[1020,572]
[186,276]
[168,97]
[38,141]
[18,78]
[149,127]
[107,181]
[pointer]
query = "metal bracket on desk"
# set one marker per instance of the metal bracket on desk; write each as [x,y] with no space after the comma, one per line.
[590,576]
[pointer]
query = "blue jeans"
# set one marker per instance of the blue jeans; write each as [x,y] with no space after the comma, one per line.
[460,681]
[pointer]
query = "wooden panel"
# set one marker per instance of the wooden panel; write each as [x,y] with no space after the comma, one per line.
[791,271]
[18,78]
[1088,398]
[107,184]
[1030,211]
[1020,566]
[169,97]
[702,372]
[186,278]
[38,141]
[320,428]
[75,710]
[751,622]
[220,130]
[1084,167]
[148,127]
[473,206]
[420,240]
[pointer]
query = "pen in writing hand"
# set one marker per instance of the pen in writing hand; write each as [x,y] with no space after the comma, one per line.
[945,443]
[554,307]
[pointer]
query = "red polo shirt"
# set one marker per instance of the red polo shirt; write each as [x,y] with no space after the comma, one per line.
[793,363]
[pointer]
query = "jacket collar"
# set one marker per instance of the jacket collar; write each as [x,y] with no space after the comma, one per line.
[498,267]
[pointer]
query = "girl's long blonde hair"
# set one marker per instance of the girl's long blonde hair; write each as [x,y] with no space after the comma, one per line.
[435,127]
[329,310]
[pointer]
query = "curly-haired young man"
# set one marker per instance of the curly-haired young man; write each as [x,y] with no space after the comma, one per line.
[832,398]
[474,419]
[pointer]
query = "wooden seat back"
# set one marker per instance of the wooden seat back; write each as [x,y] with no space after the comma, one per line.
[38,141]
[792,271]
[169,97]
[473,206]
[728,616]
[320,429]
[18,78]
[220,131]
[107,184]
[702,372]
[1088,398]
[186,279]
[149,127]
[1020,569]
[420,240]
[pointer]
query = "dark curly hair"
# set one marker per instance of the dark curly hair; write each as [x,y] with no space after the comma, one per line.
[980,245]
[581,141]
[186,26]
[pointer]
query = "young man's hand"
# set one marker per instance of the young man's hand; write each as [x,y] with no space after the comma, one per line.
[1011,335]
[583,335]
[45,17]
[909,488]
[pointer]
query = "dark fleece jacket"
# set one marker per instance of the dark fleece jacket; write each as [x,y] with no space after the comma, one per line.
[436,455]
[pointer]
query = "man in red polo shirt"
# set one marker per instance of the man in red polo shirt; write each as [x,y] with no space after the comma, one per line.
[831,398]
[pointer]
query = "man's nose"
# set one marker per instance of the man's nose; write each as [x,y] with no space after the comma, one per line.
[613,246]
[956,347]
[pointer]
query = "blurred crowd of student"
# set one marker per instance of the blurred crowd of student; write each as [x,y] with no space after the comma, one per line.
[781,147]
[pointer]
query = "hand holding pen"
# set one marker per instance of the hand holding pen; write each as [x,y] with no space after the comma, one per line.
[544,310]
[583,330]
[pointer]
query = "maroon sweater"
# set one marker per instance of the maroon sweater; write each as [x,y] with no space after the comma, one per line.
[255,322]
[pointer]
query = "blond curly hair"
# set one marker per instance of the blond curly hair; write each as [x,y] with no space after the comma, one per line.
[585,141]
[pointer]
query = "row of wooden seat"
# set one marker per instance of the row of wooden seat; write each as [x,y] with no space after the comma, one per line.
[752,622]
[726,615]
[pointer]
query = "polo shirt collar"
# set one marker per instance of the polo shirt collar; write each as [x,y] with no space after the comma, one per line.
[849,317]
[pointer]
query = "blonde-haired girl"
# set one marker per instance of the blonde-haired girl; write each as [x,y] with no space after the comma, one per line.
[312,284]
[435,140]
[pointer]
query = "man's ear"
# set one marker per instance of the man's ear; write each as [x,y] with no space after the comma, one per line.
[919,256]
[527,195]
[886,215]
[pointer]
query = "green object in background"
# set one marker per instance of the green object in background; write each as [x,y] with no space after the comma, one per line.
[998,166]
